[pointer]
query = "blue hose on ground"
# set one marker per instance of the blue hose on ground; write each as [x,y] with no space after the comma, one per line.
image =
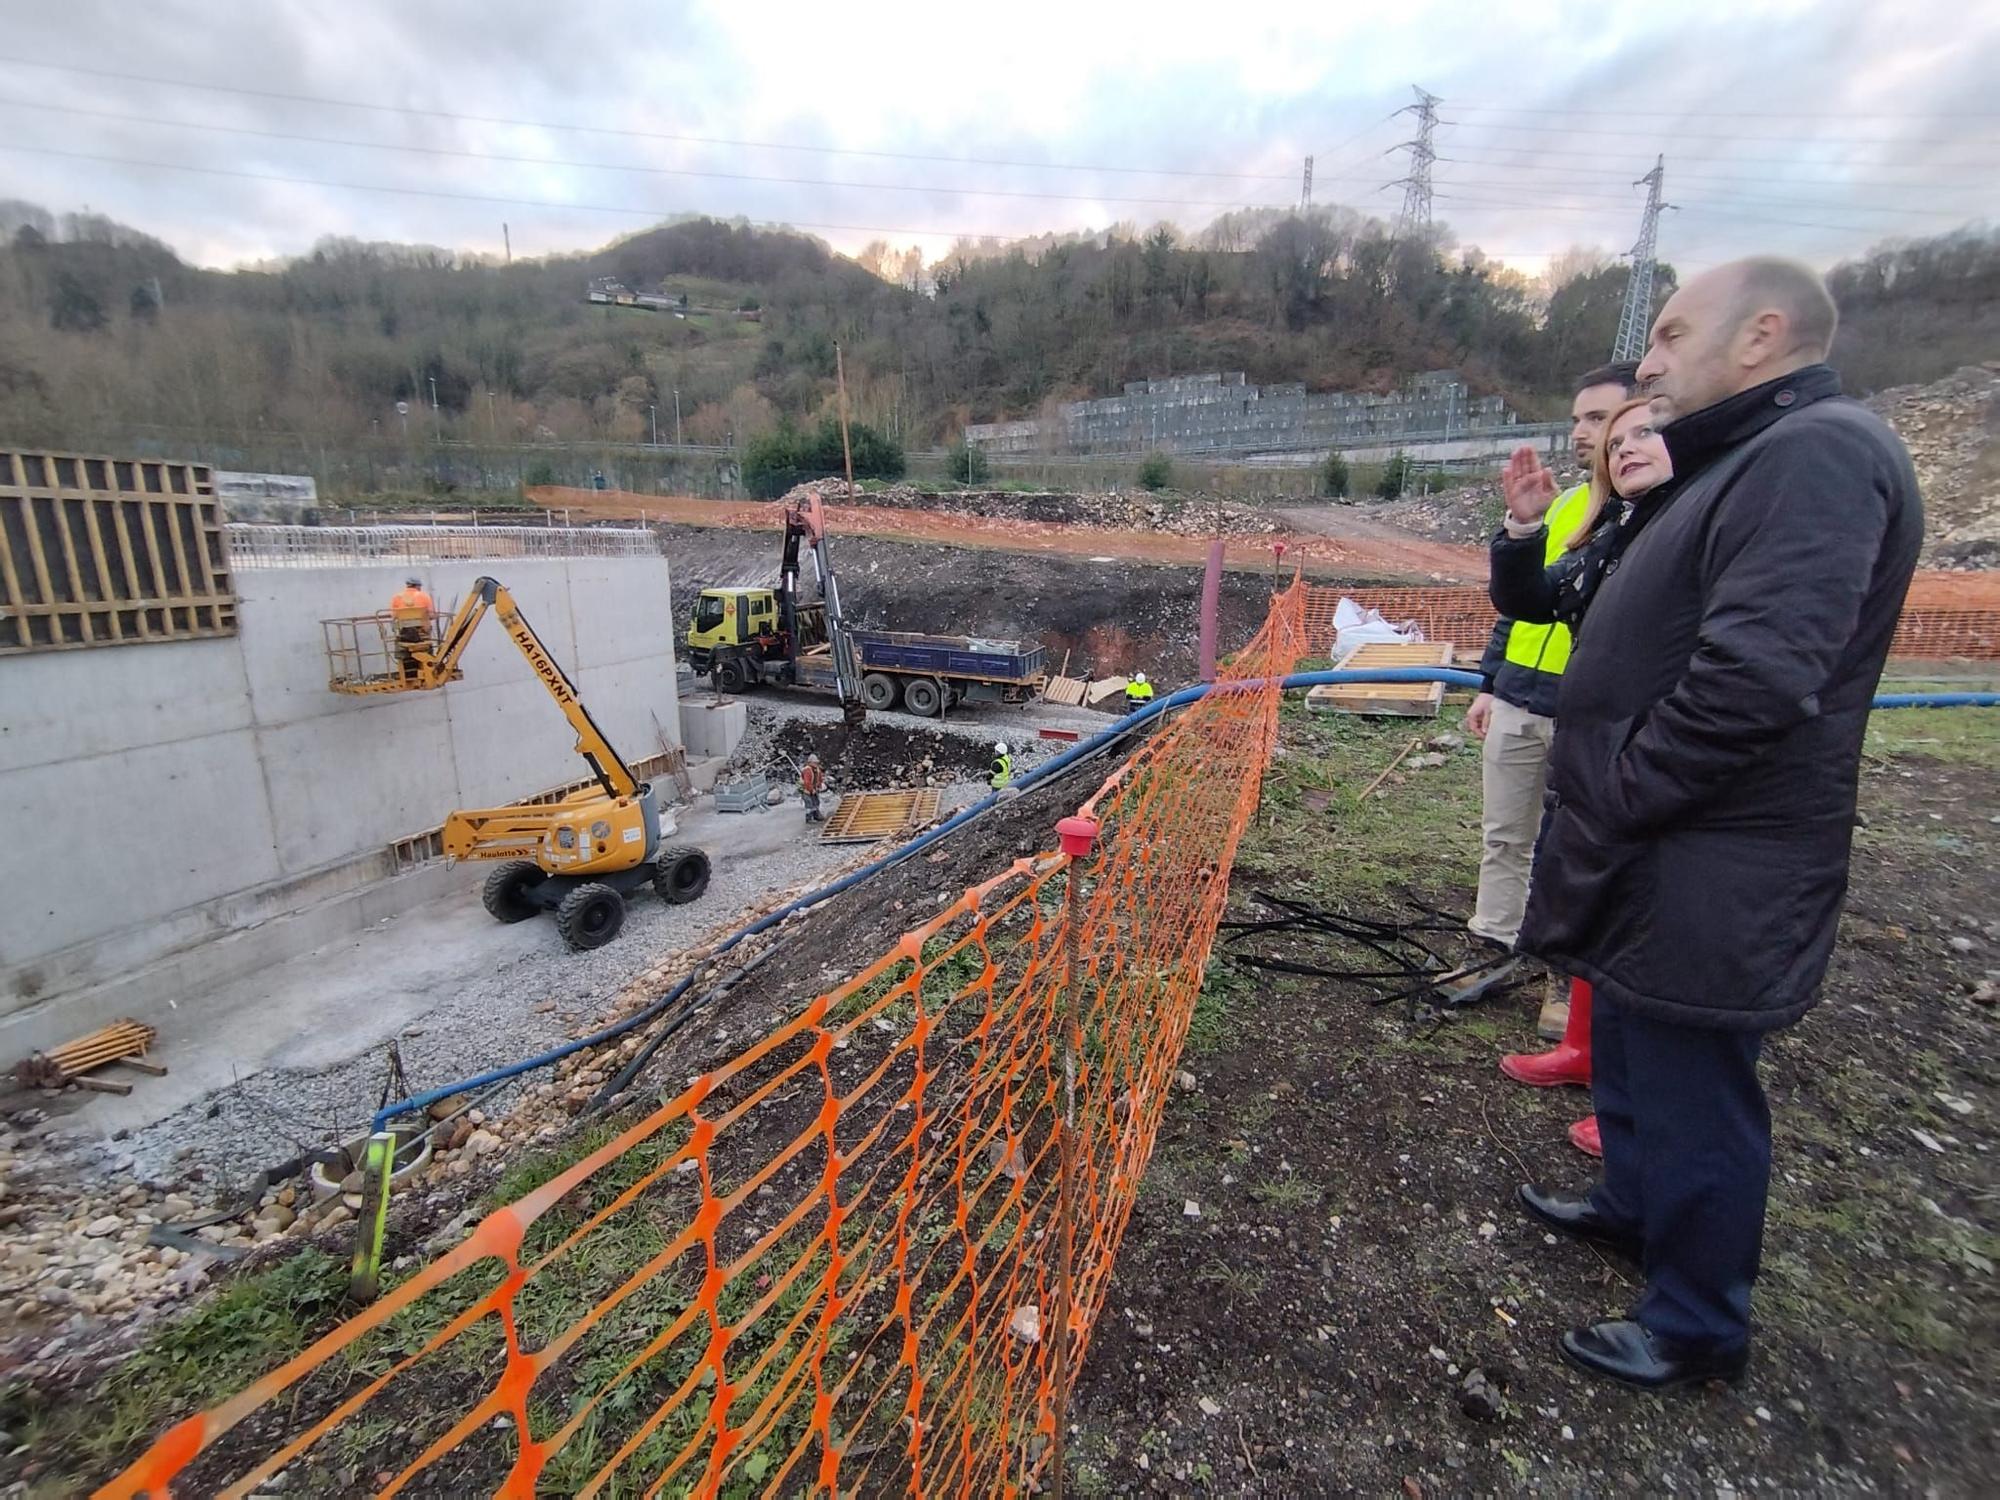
[1053,767]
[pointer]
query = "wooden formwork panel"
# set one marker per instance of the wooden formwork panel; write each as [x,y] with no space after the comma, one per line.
[864,817]
[109,551]
[1410,700]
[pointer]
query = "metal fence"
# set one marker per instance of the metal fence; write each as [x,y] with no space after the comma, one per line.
[255,546]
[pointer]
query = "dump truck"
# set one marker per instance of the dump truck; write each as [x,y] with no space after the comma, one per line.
[741,637]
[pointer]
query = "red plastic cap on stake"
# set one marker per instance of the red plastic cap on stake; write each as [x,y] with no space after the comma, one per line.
[1078,835]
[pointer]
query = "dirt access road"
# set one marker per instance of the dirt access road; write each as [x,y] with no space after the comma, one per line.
[1369,551]
[1332,541]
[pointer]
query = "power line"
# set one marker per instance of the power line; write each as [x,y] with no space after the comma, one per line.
[1735,114]
[610,166]
[660,214]
[1791,162]
[1566,185]
[1678,135]
[1561,192]
[642,135]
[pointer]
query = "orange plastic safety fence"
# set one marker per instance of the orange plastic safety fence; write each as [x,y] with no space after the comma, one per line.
[833,1263]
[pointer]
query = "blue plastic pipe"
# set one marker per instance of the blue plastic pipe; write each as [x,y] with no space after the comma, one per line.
[1055,766]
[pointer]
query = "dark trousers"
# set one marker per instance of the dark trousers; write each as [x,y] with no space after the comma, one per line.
[812,806]
[1687,1163]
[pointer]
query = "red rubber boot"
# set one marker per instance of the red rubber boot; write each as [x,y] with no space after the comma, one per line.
[1585,1137]
[1566,1062]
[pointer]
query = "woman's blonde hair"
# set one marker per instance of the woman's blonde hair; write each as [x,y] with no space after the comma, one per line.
[1600,476]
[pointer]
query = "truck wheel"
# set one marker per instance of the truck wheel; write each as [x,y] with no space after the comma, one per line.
[878,691]
[506,893]
[730,676]
[680,875]
[921,697]
[590,916]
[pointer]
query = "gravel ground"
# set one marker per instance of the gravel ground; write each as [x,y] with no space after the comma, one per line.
[488,1013]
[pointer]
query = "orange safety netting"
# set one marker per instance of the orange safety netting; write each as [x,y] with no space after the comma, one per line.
[844,1260]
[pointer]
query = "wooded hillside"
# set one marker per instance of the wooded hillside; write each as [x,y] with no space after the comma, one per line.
[106,336]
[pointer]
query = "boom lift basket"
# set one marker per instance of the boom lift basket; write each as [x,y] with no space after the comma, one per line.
[364,654]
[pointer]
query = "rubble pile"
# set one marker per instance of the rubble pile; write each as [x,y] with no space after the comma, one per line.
[1949,427]
[1137,510]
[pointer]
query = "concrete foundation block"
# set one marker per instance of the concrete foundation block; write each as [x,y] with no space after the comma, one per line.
[713,727]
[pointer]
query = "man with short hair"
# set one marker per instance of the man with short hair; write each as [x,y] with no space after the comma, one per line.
[1514,714]
[1703,783]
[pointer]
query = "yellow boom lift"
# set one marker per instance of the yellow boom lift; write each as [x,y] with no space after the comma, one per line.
[578,857]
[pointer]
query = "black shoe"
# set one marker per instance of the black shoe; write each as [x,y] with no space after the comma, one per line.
[1577,1218]
[1625,1352]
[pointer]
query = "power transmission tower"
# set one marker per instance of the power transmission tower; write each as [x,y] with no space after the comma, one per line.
[1416,186]
[1306,189]
[1635,319]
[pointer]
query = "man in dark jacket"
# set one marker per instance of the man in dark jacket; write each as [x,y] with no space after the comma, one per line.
[1702,788]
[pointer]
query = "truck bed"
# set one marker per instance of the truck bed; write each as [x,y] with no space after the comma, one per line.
[947,656]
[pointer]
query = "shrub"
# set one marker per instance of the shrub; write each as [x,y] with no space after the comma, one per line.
[1333,476]
[1395,477]
[775,462]
[967,464]
[1157,472]
[541,471]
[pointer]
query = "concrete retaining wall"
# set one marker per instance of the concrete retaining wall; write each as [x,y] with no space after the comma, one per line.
[161,796]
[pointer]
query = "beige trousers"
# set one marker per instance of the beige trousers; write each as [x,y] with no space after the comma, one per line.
[1514,772]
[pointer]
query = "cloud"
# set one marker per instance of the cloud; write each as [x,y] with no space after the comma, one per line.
[1809,128]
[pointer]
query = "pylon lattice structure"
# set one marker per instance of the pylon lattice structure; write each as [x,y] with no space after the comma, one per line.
[1416,214]
[1636,317]
[862,1255]
[1306,187]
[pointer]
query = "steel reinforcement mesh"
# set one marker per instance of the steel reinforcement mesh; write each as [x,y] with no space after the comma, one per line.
[843,1261]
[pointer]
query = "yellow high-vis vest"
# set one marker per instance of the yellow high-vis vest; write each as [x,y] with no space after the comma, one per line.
[1545,648]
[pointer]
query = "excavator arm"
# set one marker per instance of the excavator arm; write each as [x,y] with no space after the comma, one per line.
[435,669]
[806,520]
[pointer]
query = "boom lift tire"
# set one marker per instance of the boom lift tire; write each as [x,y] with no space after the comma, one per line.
[590,916]
[878,690]
[680,874]
[506,891]
[921,697]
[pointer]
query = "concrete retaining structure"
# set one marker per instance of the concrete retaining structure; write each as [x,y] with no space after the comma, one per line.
[167,795]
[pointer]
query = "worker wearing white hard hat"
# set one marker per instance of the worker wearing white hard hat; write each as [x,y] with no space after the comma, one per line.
[1138,692]
[1003,767]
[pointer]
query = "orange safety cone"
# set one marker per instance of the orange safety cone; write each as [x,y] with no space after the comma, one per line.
[1585,1136]
[1566,1062]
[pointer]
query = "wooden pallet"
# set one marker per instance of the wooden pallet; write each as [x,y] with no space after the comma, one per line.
[121,1041]
[864,817]
[1405,700]
[1066,690]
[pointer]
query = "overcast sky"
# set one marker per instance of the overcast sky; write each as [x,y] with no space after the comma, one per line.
[1812,127]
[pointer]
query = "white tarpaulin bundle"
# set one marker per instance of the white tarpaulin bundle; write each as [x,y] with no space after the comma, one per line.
[1354,626]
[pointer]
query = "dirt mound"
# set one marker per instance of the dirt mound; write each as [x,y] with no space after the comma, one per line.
[1181,515]
[1949,427]
[1106,615]
[876,757]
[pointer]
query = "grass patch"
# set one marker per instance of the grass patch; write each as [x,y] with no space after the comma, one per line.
[255,1322]
[1963,736]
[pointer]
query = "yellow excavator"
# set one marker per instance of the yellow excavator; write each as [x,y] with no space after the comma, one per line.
[578,857]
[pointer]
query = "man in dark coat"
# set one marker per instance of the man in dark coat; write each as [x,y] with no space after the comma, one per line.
[1702,786]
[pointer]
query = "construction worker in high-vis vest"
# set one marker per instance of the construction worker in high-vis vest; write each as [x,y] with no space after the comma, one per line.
[1003,767]
[1514,715]
[1138,692]
[411,612]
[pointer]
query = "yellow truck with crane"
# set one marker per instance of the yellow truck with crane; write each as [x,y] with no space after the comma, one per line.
[740,637]
[579,856]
